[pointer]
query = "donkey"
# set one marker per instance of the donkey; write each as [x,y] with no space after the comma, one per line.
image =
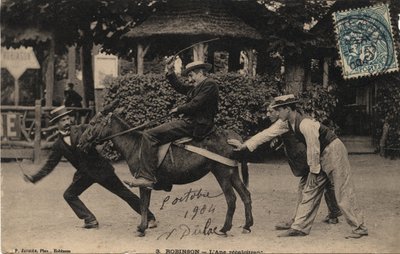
[185,167]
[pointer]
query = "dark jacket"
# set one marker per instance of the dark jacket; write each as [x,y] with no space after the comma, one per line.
[72,99]
[201,104]
[91,164]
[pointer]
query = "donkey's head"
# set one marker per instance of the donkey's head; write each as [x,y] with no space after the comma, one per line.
[99,128]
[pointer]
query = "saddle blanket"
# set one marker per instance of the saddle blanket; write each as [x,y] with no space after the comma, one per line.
[163,150]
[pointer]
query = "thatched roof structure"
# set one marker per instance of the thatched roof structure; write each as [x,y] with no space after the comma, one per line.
[194,18]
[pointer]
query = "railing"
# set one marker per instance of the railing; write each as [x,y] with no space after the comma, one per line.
[26,132]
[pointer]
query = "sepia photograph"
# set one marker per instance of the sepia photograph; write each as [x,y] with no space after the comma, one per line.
[200,126]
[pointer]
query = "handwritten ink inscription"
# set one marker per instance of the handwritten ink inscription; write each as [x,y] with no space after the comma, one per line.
[195,213]
[183,230]
[187,196]
[199,210]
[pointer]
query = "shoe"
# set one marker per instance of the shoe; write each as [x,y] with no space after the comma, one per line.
[329,220]
[91,224]
[292,232]
[284,225]
[139,182]
[152,223]
[356,235]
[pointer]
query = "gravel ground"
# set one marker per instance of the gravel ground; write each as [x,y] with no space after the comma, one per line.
[36,217]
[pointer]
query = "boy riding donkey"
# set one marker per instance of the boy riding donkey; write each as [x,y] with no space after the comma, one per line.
[198,112]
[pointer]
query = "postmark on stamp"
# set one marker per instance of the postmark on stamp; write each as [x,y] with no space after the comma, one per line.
[365,41]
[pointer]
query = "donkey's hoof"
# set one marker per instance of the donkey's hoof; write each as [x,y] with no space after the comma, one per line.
[152,224]
[246,231]
[222,233]
[140,234]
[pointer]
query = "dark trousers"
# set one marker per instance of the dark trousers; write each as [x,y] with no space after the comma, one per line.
[156,136]
[81,182]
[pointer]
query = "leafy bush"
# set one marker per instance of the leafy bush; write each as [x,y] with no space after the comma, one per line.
[320,103]
[149,97]
[387,110]
[241,108]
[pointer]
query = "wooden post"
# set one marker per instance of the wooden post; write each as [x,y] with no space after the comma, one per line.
[38,126]
[200,52]
[16,91]
[325,75]
[252,62]
[71,64]
[382,141]
[50,74]
[141,52]
[234,60]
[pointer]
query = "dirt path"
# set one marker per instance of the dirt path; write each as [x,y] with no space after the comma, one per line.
[36,217]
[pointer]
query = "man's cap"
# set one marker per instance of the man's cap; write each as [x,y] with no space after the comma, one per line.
[196,65]
[59,112]
[284,100]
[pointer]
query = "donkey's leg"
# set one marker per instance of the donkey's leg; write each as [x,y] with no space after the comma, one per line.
[144,208]
[224,181]
[246,198]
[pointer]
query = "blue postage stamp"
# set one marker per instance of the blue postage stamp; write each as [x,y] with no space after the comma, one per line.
[365,41]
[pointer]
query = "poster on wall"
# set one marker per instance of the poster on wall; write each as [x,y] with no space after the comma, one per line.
[104,65]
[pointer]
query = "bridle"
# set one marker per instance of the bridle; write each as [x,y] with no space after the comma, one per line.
[107,121]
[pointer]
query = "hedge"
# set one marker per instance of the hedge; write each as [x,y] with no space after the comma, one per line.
[387,110]
[241,108]
[149,97]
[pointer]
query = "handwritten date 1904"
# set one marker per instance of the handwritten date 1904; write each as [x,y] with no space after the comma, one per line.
[199,210]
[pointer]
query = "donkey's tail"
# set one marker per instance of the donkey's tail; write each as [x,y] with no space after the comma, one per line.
[245,172]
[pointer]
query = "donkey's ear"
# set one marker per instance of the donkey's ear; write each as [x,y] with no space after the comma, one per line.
[119,111]
[110,107]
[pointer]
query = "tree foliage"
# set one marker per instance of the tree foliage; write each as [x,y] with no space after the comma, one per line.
[287,28]
[72,22]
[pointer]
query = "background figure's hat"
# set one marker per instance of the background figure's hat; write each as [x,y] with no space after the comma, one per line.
[59,112]
[196,65]
[284,100]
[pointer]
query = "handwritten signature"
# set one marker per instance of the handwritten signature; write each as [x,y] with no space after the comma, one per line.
[184,230]
[187,196]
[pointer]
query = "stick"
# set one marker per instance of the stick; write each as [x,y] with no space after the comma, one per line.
[191,46]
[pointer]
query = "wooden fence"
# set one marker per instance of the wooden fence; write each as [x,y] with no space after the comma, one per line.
[26,132]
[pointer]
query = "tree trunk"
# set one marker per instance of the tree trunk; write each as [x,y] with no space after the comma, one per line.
[294,75]
[87,72]
[50,74]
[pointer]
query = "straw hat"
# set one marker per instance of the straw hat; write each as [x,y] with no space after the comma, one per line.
[196,65]
[284,100]
[59,112]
